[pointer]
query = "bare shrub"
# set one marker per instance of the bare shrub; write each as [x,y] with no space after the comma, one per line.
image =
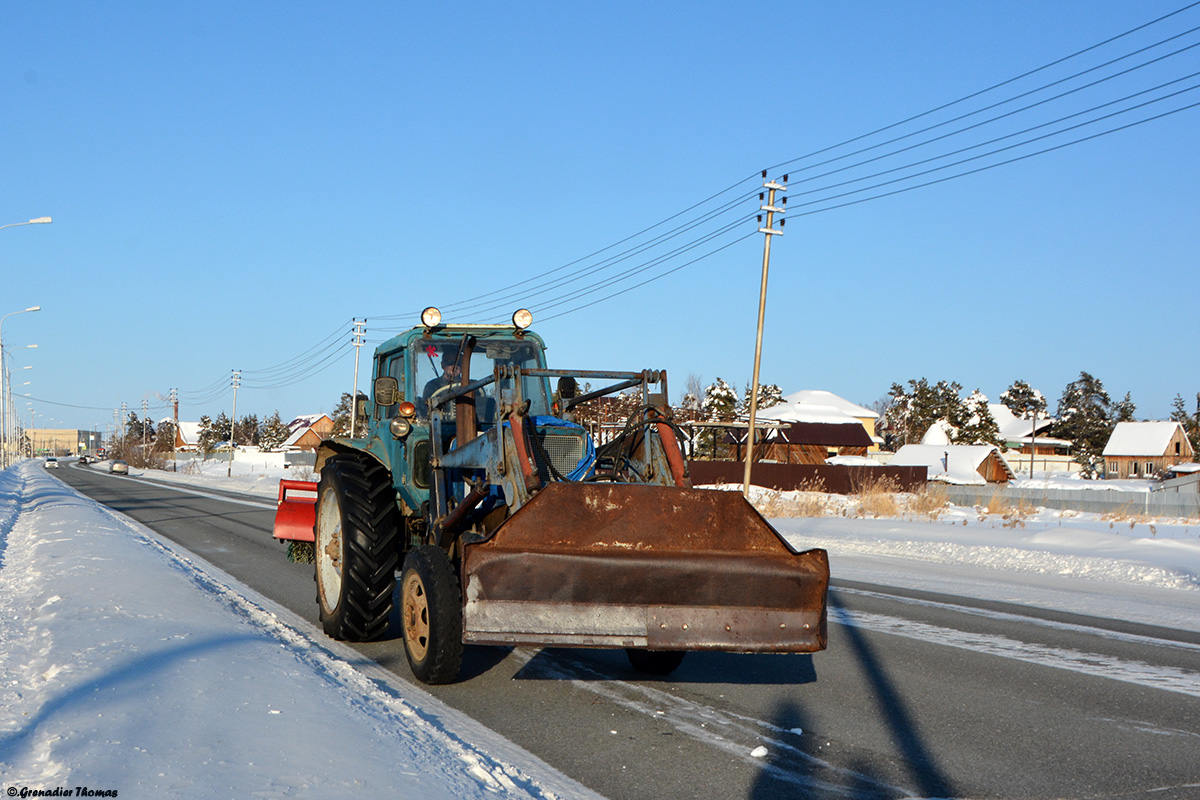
[303,474]
[876,497]
[930,501]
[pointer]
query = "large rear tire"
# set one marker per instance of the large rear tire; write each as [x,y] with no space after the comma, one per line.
[655,662]
[355,550]
[431,615]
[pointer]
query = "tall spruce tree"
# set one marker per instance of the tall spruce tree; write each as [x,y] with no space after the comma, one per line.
[1087,419]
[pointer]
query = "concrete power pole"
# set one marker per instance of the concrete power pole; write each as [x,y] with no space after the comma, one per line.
[772,187]
[175,416]
[145,413]
[237,381]
[356,338]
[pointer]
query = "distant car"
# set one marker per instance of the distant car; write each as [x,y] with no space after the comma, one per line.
[118,467]
[51,463]
[83,459]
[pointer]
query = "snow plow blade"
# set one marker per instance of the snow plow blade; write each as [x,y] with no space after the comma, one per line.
[643,566]
[295,515]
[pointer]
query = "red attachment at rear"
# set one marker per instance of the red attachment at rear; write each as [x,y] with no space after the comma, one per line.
[295,516]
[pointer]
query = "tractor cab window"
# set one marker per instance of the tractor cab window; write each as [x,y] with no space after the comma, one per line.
[434,367]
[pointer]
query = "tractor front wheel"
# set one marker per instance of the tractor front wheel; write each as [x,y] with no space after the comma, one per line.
[355,551]
[431,615]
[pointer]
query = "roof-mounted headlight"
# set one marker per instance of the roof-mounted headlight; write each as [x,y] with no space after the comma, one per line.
[431,317]
[522,318]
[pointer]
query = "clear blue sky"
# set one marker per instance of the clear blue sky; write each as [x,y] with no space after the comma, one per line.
[231,183]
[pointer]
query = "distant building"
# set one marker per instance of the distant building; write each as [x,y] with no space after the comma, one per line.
[1145,449]
[307,432]
[62,441]
[965,464]
[822,407]
[187,435]
[1019,433]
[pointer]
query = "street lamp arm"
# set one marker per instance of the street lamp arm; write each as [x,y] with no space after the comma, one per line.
[34,221]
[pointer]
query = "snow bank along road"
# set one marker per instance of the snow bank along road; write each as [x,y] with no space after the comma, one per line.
[920,694]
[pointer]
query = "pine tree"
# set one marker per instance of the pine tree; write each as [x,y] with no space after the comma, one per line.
[341,415]
[720,402]
[246,430]
[1190,422]
[912,413]
[719,405]
[209,434]
[768,396]
[1124,410]
[1086,418]
[1024,401]
[273,433]
[980,427]
[164,437]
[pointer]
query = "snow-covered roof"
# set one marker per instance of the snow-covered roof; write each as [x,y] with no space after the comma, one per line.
[1185,469]
[189,432]
[952,463]
[814,405]
[1141,438]
[1014,428]
[305,421]
[852,461]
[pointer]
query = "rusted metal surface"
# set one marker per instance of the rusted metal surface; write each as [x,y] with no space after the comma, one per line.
[620,565]
[296,512]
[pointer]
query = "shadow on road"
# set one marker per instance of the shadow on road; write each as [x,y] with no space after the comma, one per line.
[792,771]
[554,663]
[904,731]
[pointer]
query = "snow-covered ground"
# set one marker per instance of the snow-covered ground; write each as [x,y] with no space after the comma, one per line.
[1127,568]
[129,665]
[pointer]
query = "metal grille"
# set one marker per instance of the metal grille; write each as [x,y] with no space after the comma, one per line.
[564,449]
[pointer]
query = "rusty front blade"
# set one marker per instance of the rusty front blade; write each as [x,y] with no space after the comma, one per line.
[631,565]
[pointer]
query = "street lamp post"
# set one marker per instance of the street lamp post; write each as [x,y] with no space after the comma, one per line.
[5,389]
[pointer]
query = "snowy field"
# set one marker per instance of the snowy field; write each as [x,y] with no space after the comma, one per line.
[126,664]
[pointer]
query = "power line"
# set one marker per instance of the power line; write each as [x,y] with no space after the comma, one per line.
[1002,138]
[1000,163]
[991,88]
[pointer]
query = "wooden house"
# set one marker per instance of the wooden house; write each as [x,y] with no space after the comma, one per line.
[1145,449]
[307,432]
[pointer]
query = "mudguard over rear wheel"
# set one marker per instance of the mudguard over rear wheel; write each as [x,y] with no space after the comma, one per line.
[431,615]
[655,662]
[355,549]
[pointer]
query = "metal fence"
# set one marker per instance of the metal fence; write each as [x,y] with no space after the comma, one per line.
[1098,501]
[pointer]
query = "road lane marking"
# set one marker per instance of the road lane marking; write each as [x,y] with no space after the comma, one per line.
[1169,679]
[1007,616]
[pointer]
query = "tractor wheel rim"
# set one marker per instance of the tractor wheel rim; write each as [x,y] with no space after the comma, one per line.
[416,617]
[329,550]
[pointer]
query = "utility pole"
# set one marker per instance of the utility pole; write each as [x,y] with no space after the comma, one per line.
[772,187]
[237,381]
[356,338]
[145,413]
[175,416]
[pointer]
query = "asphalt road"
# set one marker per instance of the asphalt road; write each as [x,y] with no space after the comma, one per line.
[919,694]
